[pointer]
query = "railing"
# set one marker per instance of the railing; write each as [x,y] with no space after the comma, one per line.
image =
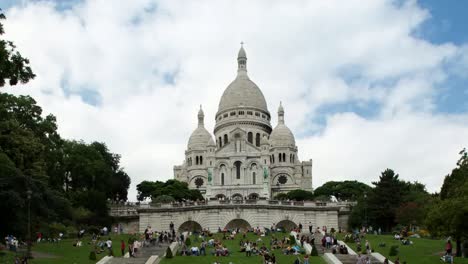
[131,210]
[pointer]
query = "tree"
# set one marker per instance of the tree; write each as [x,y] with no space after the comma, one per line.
[343,190]
[13,67]
[300,195]
[384,199]
[281,196]
[176,189]
[70,181]
[448,215]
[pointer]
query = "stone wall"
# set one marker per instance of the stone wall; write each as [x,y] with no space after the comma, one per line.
[214,217]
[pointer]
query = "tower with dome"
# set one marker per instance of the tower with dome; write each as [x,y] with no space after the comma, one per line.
[247,158]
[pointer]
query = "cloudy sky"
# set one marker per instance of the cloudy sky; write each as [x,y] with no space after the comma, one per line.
[366,85]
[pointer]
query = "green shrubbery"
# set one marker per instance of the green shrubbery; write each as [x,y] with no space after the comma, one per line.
[188,242]
[169,252]
[92,255]
[314,251]
[393,251]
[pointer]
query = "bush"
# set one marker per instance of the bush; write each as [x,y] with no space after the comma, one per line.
[332,230]
[163,199]
[93,230]
[55,229]
[393,251]
[314,251]
[424,233]
[292,240]
[169,252]
[188,242]
[92,255]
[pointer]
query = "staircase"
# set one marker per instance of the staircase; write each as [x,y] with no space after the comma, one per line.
[344,258]
[352,259]
[142,256]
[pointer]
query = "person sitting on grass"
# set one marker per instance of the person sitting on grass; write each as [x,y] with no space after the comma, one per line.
[184,251]
[263,249]
[211,242]
[288,250]
[195,251]
[248,249]
[203,248]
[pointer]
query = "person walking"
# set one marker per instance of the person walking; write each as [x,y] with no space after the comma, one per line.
[310,227]
[109,246]
[368,248]
[448,248]
[122,247]
[306,259]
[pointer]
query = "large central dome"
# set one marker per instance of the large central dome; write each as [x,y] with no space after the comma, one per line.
[242,92]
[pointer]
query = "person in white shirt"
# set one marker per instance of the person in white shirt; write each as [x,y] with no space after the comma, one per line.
[109,246]
[195,251]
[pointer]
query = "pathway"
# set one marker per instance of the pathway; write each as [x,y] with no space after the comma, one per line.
[142,256]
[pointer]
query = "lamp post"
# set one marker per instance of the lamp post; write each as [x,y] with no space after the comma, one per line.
[365,210]
[28,253]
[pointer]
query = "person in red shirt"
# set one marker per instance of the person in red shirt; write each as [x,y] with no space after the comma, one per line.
[448,247]
[122,247]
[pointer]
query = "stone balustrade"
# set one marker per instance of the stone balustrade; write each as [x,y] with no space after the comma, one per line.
[132,209]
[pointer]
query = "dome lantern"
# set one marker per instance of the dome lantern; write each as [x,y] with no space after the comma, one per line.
[280,114]
[242,60]
[201,117]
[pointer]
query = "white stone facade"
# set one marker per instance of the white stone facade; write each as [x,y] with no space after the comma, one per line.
[248,158]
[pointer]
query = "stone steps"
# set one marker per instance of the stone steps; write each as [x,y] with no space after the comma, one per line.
[352,259]
[142,255]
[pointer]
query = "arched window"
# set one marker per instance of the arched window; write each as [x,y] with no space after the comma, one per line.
[196,160]
[238,169]
[273,156]
[220,142]
[284,157]
[257,140]
[201,160]
[222,178]
[294,158]
[225,139]
[280,157]
[250,137]
[254,180]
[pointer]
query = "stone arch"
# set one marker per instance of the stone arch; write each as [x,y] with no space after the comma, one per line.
[238,223]
[220,196]
[253,196]
[190,226]
[238,169]
[286,225]
[237,196]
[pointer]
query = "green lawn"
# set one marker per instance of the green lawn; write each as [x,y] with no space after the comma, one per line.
[424,251]
[237,257]
[65,252]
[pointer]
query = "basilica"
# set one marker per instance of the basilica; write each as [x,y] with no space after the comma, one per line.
[247,159]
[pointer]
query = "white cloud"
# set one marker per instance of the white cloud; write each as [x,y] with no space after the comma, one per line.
[297,53]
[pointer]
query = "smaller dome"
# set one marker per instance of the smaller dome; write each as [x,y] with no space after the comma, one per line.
[282,136]
[199,139]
